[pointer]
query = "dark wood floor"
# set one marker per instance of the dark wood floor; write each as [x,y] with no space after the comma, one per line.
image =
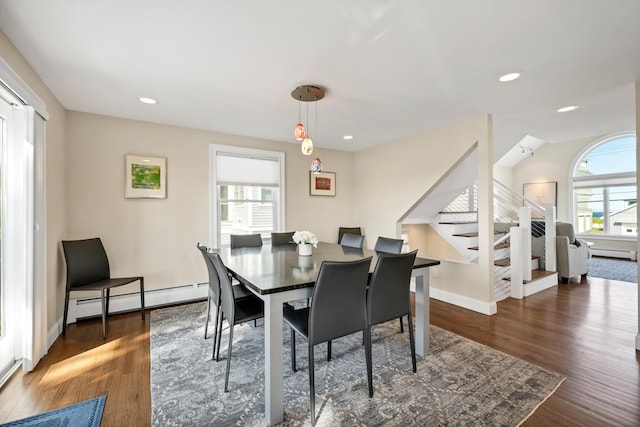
[584,331]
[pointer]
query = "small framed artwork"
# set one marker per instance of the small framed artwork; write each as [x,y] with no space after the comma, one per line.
[145,177]
[541,193]
[322,183]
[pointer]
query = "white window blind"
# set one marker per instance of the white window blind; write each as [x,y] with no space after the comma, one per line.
[234,169]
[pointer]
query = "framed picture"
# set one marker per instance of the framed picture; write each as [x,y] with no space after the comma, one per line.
[145,177]
[322,184]
[542,193]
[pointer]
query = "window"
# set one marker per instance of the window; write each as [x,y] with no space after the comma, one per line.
[604,188]
[247,193]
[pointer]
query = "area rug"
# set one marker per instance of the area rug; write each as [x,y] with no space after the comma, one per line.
[83,414]
[460,382]
[614,269]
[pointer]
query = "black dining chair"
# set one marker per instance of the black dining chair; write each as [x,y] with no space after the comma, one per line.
[281,239]
[352,241]
[338,309]
[239,292]
[388,292]
[391,246]
[236,311]
[350,230]
[245,241]
[88,270]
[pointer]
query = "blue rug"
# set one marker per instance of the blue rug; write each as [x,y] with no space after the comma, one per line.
[614,269]
[83,414]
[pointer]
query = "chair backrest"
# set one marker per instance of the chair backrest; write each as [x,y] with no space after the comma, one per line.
[391,246]
[350,230]
[279,239]
[214,282]
[388,294]
[338,306]
[227,302]
[352,240]
[245,241]
[86,261]
[566,229]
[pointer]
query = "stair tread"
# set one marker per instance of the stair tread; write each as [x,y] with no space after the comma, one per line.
[535,275]
[475,234]
[502,245]
[506,262]
[458,222]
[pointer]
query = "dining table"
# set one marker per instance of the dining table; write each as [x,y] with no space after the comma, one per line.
[278,275]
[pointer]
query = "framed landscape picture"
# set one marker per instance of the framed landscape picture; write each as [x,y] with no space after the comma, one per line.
[542,193]
[322,183]
[145,177]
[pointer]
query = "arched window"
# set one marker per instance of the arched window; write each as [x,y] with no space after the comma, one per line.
[604,187]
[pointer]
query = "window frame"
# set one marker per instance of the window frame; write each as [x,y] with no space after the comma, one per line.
[214,214]
[601,181]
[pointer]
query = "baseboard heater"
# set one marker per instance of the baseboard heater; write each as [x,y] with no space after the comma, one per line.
[612,253]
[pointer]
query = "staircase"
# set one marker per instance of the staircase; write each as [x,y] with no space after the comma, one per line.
[458,225]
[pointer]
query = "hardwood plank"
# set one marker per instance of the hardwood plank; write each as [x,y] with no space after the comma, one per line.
[584,331]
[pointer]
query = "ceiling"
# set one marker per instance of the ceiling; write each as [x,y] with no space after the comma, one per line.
[390,69]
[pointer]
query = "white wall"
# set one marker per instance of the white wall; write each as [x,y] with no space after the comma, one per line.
[156,238]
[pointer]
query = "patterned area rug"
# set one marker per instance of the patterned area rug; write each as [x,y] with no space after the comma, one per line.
[614,269]
[460,382]
[82,414]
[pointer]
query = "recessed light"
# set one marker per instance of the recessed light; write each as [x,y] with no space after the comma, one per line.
[348,137]
[509,77]
[567,109]
[147,100]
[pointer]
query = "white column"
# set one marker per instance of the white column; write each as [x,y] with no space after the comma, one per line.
[422,310]
[273,363]
[515,251]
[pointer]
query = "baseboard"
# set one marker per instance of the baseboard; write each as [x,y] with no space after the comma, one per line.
[614,253]
[488,308]
[83,308]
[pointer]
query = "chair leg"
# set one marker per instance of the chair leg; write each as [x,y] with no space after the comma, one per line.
[413,344]
[367,354]
[329,351]
[108,298]
[219,338]
[142,296]
[401,325]
[312,385]
[293,351]
[64,316]
[226,376]
[206,319]
[105,308]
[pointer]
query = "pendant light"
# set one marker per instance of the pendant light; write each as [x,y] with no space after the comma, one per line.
[306,93]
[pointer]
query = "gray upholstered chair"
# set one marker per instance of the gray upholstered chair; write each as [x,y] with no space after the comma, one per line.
[88,270]
[350,230]
[236,311]
[338,309]
[245,241]
[352,241]
[281,239]
[572,255]
[391,246]
[388,292]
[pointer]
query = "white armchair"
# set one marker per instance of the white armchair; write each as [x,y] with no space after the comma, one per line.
[572,254]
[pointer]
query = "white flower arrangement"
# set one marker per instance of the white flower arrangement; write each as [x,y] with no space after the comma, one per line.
[305,237]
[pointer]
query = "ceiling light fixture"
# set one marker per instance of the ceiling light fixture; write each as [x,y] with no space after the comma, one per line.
[567,108]
[347,137]
[307,93]
[509,77]
[146,100]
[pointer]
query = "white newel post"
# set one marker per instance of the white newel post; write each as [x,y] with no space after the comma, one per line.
[524,216]
[517,287]
[550,238]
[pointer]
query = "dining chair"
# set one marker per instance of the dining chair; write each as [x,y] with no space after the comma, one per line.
[338,308]
[391,246]
[352,241]
[236,311]
[388,294]
[281,239]
[88,270]
[350,230]
[239,292]
[245,241]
